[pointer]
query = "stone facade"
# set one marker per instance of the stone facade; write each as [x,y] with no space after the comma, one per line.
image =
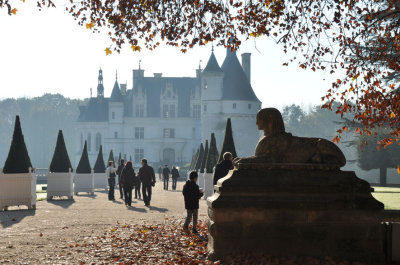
[166,118]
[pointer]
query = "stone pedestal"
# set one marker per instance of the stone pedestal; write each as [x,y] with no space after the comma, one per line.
[295,211]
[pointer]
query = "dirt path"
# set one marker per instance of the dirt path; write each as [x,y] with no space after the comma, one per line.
[35,237]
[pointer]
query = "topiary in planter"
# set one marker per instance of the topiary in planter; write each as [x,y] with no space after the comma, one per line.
[111,157]
[99,166]
[228,145]
[194,159]
[119,158]
[60,161]
[199,157]
[212,155]
[204,159]
[84,164]
[130,157]
[18,160]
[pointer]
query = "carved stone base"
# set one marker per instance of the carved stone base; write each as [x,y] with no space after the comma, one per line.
[295,213]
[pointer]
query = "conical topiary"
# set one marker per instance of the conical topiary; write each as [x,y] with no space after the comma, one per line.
[228,145]
[194,159]
[84,164]
[60,161]
[99,166]
[212,155]
[18,160]
[199,157]
[119,158]
[130,157]
[125,157]
[203,161]
[111,157]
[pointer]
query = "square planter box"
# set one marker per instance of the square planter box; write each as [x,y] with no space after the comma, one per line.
[208,185]
[100,181]
[17,189]
[84,182]
[60,184]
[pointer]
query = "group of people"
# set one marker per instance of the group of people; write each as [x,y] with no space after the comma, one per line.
[128,180]
[165,173]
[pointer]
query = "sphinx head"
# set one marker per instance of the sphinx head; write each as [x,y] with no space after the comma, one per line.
[270,121]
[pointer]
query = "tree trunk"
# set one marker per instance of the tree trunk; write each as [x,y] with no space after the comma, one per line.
[383,175]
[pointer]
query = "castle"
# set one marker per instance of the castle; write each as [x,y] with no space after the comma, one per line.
[166,118]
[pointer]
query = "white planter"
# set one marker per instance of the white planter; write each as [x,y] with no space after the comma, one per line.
[100,181]
[208,185]
[17,189]
[200,180]
[84,182]
[60,184]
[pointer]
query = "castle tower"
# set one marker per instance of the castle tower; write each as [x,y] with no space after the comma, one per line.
[100,87]
[115,117]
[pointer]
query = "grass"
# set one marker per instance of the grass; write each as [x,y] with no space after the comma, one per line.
[388,196]
[41,194]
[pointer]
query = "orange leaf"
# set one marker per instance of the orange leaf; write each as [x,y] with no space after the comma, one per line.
[108,51]
[89,25]
[136,48]
[398,169]
[392,115]
[14,11]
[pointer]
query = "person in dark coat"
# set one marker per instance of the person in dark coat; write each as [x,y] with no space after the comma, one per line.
[191,194]
[128,181]
[175,176]
[111,174]
[119,171]
[138,184]
[148,178]
[222,169]
[159,172]
[166,173]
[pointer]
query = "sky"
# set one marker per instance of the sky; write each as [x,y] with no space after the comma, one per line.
[48,52]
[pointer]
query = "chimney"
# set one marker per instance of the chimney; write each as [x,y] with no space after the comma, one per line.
[246,64]
[137,74]
[157,74]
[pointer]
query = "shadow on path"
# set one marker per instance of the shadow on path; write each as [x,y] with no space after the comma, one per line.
[131,208]
[63,203]
[161,210]
[9,218]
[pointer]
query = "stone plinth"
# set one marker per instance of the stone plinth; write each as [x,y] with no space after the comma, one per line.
[295,211]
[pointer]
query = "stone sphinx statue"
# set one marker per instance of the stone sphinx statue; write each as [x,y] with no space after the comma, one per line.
[280,147]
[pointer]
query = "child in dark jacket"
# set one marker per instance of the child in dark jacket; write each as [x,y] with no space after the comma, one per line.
[191,194]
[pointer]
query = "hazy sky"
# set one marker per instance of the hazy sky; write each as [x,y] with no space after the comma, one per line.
[47,52]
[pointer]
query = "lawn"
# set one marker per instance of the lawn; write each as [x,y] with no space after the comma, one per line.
[389,196]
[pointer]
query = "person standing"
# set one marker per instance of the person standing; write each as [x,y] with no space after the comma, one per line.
[119,171]
[175,176]
[191,194]
[148,178]
[166,176]
[111,174]
[222,169]
[159,172]
[138,184]
[128,180]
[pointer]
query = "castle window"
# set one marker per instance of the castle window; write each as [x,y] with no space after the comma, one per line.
[169,133]
[98,141]
[204,108]
[115,135]
[113,115]
[139,133]
[249,106]
[139,154]
[139,110]
[165,111]
[196,111]
[89,142]
[171,111]
[234,106]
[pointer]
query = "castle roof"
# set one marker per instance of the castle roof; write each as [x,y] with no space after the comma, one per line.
[96,110]
[116,95]
[236,86]
[212,65]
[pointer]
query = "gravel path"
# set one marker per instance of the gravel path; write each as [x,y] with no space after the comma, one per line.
[36,237]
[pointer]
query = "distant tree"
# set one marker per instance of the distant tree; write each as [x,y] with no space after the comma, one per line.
[204,160]
[212,156]
[130,157]
[199,158]
[293,117]
[84,164]
[60,161]
[111,157]
[228,144]
[18,160]
[99,166]
[372,155]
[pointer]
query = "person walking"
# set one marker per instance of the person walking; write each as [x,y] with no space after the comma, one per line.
[138,185]
[119,171]
[166,176]
[128,180]
[191,194]
[222,169]
[111,174]
[148,178]
[175,176]
[159,172]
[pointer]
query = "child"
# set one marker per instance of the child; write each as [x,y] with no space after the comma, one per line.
[191,194]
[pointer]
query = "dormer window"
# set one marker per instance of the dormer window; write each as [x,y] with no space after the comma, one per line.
[249,106]
[234,106]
